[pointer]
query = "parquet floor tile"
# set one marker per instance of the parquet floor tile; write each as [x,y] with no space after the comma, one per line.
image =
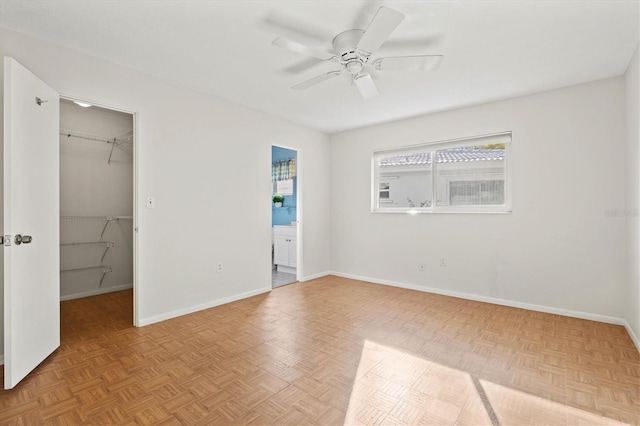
[327,352]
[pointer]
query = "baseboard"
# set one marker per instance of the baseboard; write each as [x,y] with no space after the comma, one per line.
[494,300]
[96,292]
[200,307]
[633,335]
[315,276]
[287,269]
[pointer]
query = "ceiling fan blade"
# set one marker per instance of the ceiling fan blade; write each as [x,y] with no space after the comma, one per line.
[316,80]
[366,86]
[284,24]
[302,49]
[379,30]
[409,63]
[302,65]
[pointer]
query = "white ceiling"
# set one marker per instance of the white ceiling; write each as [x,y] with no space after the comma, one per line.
[492,49]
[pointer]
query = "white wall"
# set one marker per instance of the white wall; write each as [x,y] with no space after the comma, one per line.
[90,186]
[208,164]
[632,211]
[557,250]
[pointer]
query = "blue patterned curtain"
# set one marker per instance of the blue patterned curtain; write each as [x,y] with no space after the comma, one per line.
[283,170]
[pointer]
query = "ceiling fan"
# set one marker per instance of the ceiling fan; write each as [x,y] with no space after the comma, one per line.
[353,51]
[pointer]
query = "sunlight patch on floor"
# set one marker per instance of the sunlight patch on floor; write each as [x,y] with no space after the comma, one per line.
[515,407]
[394,387]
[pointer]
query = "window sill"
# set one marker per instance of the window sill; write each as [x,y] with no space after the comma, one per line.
[419,212]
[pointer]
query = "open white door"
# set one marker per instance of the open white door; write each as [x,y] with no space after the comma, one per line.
[31,209]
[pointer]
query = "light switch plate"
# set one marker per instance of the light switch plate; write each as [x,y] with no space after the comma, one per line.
[151,202]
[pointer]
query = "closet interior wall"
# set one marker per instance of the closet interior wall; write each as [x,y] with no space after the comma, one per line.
[96,200]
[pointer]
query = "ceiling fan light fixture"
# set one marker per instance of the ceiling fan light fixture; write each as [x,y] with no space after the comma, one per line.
[365,85]
[354,67]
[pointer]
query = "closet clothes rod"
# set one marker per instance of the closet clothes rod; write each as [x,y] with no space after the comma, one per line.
[118,140]
[88,243]
[121,141]
[84,217]
[96,217]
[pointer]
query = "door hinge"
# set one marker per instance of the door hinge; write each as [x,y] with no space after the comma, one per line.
[6,240]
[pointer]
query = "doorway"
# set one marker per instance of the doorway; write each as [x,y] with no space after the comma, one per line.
[96,200]
[284,216]
[31,220]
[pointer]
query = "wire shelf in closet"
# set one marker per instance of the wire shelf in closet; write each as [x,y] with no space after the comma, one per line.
[104,269]
[87,233]
[123,141]
[84,217]
[96,217]
[87,243]
[68,221]
[98,268]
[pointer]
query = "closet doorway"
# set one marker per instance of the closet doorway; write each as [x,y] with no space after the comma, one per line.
[96,201]
[284,216]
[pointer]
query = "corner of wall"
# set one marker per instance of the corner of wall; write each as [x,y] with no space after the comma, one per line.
[1,216]
[634,337]
[632,208]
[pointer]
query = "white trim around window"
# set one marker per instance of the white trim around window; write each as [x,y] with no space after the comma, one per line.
[416,178]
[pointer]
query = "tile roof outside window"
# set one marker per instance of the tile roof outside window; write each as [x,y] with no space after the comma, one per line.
[454,155]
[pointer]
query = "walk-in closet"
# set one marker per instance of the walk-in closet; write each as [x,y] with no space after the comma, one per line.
[96,200]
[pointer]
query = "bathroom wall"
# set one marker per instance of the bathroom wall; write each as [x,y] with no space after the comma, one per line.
[287,213]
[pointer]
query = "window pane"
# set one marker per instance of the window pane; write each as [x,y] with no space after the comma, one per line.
[405,180]
[463,193]
[471,176]
[492,192]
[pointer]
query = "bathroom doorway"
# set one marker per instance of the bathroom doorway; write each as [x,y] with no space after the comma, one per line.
[284,216]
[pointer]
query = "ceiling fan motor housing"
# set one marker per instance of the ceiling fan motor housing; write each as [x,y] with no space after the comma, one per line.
[344,44]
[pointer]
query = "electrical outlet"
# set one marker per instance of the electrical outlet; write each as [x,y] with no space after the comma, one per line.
[421,267]
[443,261]
[219,267]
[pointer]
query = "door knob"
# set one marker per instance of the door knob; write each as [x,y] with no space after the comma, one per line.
[22,239]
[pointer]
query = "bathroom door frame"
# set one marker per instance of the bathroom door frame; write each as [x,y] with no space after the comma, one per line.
[135,160]
[299,208]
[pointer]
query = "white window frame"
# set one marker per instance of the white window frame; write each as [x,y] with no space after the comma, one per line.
[495,138]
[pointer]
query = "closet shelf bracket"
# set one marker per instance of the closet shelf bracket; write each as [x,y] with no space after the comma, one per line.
[105,271]
[113,219]
[106,249]
[109,219]
[113,145]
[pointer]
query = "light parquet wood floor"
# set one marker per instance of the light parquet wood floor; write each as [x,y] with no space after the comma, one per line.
[326,352]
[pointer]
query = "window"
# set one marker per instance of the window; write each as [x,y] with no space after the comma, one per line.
[468,175]
[476,193]
[384,193]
